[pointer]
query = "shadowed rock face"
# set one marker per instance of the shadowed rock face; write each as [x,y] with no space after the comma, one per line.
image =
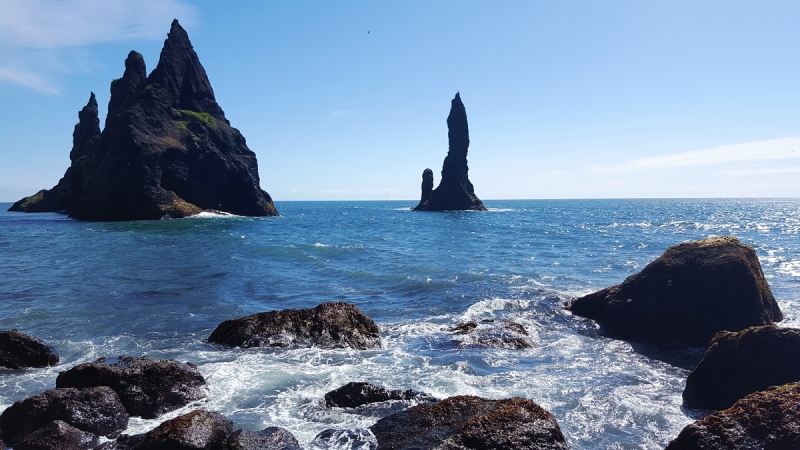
[467,422]
[97,410]
[455,191]
[193,431]
[167,149]
[18,350]
[148,387]
[58,435]
[740,363]
[763,420]
[687,295]
[329,325]
[359,393]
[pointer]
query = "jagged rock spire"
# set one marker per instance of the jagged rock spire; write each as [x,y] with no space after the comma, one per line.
[87,128]
[181,75]
[123,90]
[455,191]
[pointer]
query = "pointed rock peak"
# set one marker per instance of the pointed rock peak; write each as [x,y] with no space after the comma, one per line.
[181,75]
[92,102]
[87,128]
[134,66]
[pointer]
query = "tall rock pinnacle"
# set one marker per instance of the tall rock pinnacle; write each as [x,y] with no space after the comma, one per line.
[167,149]
[455,191]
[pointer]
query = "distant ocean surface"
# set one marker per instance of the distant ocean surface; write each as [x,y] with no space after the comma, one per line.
[159,289]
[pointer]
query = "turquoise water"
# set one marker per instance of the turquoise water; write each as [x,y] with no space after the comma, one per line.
[160,288]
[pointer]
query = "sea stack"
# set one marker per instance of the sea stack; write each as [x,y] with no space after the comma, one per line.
[455,191]
[166,151]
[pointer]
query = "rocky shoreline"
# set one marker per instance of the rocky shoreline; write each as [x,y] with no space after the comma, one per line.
[749,376]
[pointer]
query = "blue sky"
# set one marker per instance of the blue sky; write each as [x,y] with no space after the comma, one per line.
[348,100]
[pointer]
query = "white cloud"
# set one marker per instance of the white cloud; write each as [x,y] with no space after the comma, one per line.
[35,33]
[773,149]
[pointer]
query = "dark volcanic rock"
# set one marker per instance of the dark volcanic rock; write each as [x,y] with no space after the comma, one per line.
[329,325]
[97,410]
[124,442]
[455,191]
[467,422]
[356,394]
[493,334]
[148,387]
[740,363]
[271,438]
[687,295]
[766,420]
[167,149]
[193,431]
[19,350]
[58,435]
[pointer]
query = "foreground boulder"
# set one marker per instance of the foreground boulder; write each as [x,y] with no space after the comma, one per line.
[196,430]
[97,410]
[359,393]
[740,363]
[18,350]
[58,435]
[467,422]
[271,438]
[167,149]
[764,420]
[455,191]
[329,325]
[148,387]
[493,334]
[687,295]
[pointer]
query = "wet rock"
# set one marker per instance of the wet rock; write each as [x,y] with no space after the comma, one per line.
[740,363]
[467,422]
[329,325]
[358,439]
[493,334]
[359,393]
[58,435]
[455,191]
[271,438]
[763,420]
[167,149]
[687,295]
[18,350]
[193,431]
[97,410]
[148,387]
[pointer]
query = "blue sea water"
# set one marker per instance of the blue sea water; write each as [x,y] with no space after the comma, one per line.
[159,289]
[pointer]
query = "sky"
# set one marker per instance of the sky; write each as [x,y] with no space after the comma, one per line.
[348,100]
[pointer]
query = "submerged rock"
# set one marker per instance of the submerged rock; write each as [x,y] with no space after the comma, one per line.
[97,410]
[148,387]
[687,295]
[329,325]
[271,438]
[493,334]
[768,419]
[467,422]
[740,363]
[196,430]
[359,393]
[455,191]
[358,439]
[18,350]
[167,149]
[58,435]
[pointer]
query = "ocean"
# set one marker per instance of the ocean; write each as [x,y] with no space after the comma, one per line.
[159,288]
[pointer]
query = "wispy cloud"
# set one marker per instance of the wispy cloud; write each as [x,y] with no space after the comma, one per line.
[773,149]
[33,33]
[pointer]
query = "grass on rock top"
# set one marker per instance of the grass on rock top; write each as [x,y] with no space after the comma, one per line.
[205,117]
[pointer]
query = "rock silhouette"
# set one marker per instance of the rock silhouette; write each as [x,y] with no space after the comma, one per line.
[18,350]
[687,295]
[455,191]
[166,151]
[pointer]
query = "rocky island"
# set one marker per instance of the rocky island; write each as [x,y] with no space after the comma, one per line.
[455,191]
[166,151]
